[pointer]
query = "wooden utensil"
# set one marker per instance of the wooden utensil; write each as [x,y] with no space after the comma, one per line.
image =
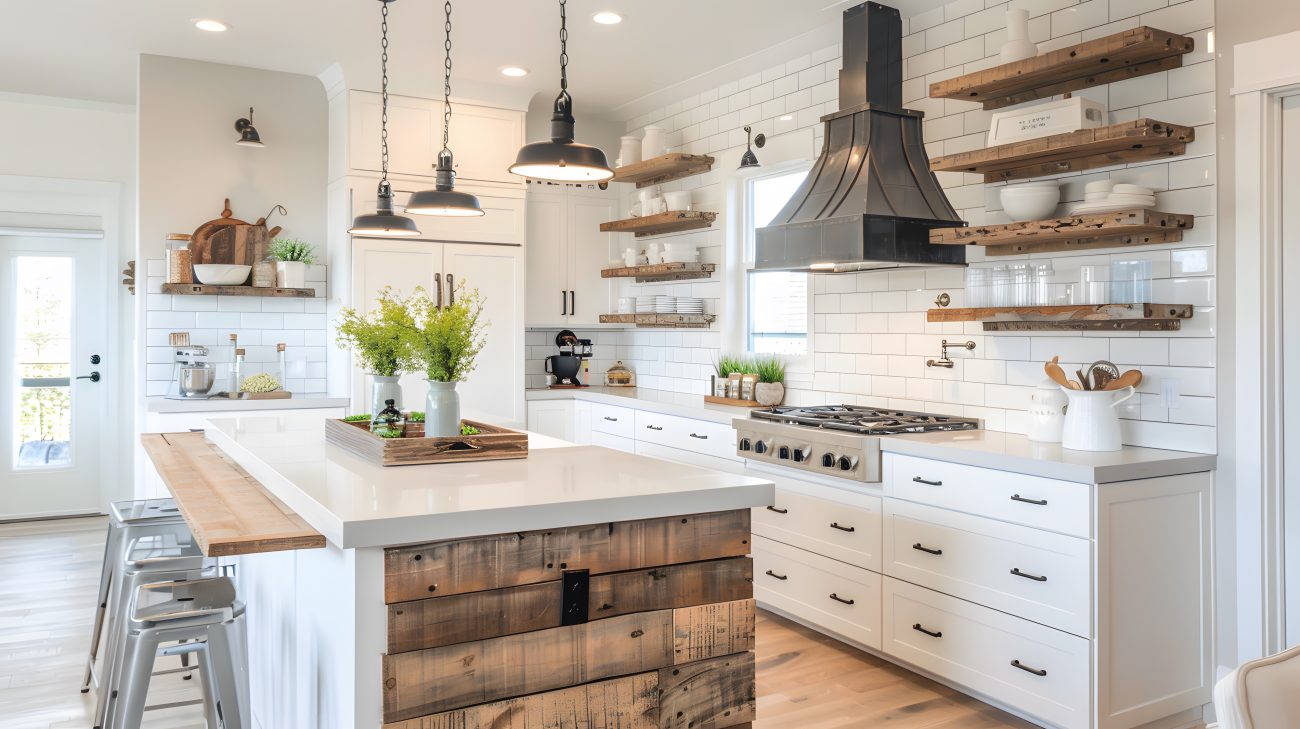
[1083,380]
[1102,372]
[1128,379]
[1057,374]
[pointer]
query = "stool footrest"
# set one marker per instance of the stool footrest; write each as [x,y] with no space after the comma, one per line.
[174,705]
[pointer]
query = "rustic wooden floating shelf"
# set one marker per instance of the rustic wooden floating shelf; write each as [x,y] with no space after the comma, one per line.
[1124,55]
[661,272]
[1118,229]
[1132,141]
[664,168]
[668,321]
[1072,312]
[1086,325]
[673,221]
[181,289]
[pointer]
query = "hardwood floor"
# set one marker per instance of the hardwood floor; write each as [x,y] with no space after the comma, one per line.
[49,571]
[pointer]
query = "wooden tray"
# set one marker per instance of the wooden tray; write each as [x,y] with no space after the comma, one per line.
[732,401]
[494,443]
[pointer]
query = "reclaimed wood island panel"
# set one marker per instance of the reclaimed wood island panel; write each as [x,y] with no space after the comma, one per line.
[628,625]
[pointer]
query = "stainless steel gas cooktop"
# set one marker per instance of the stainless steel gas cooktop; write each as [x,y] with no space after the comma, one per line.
[834,440]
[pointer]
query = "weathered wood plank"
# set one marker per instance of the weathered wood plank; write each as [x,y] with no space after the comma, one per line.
[1070,228]
[440,621]
[492,443]
[193,289]
[709,694]
[1077,325]
[672,221]
[1127,54]
[453,677]
[228,511]
[675,271]
[1076,312]
[664,168]
[667,321]
[507,560]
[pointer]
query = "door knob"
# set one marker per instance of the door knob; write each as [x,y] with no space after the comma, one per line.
[93,377]
[95,359]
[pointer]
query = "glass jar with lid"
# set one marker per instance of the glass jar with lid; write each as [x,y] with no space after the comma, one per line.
[619,376]
[180,268]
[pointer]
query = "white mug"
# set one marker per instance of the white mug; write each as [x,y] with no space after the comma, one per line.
[653,254]
[652,206]
[654,143]
[1091,423]
[629,257]
[629,150]
[678,200]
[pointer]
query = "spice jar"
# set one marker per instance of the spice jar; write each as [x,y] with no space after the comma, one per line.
[180,268]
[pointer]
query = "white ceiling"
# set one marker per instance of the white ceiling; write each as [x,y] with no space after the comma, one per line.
[87,49]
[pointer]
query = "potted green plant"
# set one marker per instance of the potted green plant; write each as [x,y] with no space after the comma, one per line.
[378,340]
[445,340]
[770,389]
[292,257]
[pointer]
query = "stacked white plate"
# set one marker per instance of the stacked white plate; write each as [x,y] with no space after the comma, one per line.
[645,304]
[1104,196]
[689,305]
[665,304]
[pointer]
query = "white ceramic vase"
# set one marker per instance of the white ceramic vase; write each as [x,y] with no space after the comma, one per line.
[441,410]
[768,394]
[290,274]
[1018,46]
[654,143]
[629,150]
[384,388]
[1047,413]
[1091,422]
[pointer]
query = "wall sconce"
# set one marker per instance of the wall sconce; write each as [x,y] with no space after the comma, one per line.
[248,136]
[748,159]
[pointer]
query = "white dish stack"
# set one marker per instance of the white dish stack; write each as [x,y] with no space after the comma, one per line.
[1105,196]
[645,304]
[665,305]
[690,305]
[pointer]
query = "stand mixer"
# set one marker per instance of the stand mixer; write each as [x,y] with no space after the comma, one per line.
[192,375]
[568,363]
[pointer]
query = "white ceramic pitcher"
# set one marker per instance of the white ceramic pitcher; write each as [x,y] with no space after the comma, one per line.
[1091,422]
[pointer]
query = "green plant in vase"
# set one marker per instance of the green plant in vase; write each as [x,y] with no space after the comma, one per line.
[770,389]
[292,257]
[446,341]
[378,340]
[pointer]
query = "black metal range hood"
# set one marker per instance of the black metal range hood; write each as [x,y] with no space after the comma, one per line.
[870,200]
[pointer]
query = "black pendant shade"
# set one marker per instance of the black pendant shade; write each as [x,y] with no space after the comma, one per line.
[443,199]
[248,136]
[749,159]
[384,223]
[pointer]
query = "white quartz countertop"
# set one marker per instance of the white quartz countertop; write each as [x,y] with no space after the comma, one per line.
[1016,453]
[655,401]
[357,504]
[218,404]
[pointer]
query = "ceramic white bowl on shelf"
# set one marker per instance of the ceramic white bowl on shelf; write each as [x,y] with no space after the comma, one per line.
[221,274]
[1030,202]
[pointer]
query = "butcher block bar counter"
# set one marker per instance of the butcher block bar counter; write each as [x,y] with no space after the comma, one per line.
[577,587]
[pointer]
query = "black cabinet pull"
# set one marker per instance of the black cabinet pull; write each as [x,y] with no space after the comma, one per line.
[612,420]
[701,437]
[837,598]
[918,479]
[779,511]
[1036,578]
[451,290]
[770,573]
[1035,502]
[573,302]
[437,277]
[931,633]
[836,525]
[564,303]
[1035,671]
[923,548]
[654,427]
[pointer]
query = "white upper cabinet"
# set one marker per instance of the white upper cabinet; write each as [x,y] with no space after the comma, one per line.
[547,289]
[566,252]
[484,139]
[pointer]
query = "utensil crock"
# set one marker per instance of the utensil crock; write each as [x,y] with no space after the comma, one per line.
[1091,421]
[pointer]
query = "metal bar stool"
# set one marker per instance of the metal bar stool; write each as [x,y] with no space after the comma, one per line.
[150,560]
[128,520]
[203,611]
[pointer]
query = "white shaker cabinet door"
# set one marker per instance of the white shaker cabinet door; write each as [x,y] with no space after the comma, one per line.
[485,141]
[414,134]
[495,389]
[547,291]
[590,252]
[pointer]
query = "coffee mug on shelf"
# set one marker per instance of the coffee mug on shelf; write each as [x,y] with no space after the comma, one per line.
[678,200]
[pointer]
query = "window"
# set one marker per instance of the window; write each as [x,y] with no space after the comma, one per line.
[776,302]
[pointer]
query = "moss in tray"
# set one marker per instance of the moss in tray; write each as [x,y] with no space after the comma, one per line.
[363,417]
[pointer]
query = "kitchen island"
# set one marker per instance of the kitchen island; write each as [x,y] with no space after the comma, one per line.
[606,587]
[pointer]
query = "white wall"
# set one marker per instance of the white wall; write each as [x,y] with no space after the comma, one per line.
[872,339]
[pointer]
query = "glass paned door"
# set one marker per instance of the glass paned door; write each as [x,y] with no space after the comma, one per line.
[52,323]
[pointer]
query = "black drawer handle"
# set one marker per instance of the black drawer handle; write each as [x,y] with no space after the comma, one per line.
[612,420]
[770,573]
[918,479]
[931,633]
[924,548]
[1035,671]
[837,598]
[701,437]
[1036,578]
[1035,502]
[836,525]
[779,511]
[654,427]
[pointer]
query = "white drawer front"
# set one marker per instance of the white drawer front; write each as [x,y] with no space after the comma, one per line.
[829,594]
[847,532]
[1043,503]
[618,443]
[692,458]
[1041,576]
[1038,670]
[613,420]
[715,439]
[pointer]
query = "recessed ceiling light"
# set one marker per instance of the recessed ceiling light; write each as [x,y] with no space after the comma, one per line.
[787,117]
[212,26]
[513,71]
[607,18]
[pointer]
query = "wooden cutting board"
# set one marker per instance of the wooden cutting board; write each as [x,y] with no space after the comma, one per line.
[229,240]
[201,249]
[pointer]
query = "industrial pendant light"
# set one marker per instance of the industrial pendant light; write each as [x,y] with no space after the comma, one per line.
[248,136]
[749,159]
[442,199]
[561,159]
[384,222]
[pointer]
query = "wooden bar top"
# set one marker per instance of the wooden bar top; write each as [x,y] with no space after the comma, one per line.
[228,511]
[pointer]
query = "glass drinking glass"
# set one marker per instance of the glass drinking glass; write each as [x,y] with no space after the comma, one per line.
[1043,274]
[1001,287]
[1130,282]
[1094,285]
[977,287]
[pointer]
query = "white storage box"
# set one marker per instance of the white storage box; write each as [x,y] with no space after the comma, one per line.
[1057,117]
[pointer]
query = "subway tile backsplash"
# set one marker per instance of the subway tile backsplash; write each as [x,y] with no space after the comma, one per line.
[871,337]
[260,323]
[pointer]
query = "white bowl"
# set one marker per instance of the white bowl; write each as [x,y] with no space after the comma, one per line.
[1123,189]
[1030,203]
[1099,186]
[221,274]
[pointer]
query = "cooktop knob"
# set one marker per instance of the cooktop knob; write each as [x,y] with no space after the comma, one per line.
[745,444]
[828,460]
[760,447]
[802,453]
[783,453]
[846,463]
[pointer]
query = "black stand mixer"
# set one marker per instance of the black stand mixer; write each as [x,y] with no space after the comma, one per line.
[568,363]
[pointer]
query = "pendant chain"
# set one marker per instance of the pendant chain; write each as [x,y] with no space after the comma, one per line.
[446,83]
[564,49]
[383,118]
